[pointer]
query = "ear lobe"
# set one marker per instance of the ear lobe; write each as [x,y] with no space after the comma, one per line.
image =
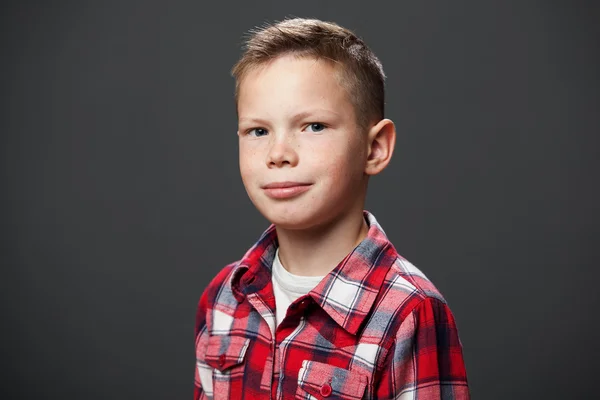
[382,140]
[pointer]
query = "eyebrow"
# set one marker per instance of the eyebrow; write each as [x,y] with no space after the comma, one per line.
[296,117]
[258,121]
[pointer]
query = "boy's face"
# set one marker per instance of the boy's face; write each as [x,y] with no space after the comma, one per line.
[297,129]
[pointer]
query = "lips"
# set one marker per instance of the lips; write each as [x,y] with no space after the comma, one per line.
[285,190]
[283,185]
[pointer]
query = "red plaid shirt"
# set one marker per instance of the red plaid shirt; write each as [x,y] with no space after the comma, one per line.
[375,328]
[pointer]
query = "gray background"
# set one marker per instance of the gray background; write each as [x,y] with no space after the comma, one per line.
[121,195]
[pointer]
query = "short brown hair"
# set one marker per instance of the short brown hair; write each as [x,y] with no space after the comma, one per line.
[361,71]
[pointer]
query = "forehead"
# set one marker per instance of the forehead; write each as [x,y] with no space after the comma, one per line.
[292,81]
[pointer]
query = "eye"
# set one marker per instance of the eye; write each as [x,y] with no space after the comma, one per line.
[315,127]
[257,132]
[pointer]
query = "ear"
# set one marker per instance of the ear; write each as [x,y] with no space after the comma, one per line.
[381,141]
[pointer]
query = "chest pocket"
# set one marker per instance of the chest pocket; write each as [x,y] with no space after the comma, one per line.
[322,381]
[226,356]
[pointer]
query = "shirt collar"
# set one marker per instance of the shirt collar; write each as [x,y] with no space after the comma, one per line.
[347,293]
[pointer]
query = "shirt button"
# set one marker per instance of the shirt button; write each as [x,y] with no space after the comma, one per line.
[325,390]
[221,360]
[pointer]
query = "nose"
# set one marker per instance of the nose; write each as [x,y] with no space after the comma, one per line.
[281,152]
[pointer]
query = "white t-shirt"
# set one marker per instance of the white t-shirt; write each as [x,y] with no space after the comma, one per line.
[288,287]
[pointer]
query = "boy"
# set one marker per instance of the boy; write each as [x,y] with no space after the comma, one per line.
[322,305]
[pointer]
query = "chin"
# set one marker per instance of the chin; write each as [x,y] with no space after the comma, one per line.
[292,219]
[306,212]
[303,220]
[290,222]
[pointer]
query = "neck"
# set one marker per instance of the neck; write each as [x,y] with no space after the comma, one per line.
[317,251]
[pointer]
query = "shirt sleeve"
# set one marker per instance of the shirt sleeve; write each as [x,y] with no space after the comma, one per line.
[425,361]
[200,332]
[200,327]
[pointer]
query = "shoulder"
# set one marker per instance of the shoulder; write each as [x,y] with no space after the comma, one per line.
[412,317]
[221,279]
[405,293]
[422,345]
[219,284]
[406,274]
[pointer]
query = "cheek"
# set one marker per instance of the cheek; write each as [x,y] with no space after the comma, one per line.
[247,160]
[342,164]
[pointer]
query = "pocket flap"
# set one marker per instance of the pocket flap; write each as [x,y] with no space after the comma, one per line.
[322,380]
[224,352]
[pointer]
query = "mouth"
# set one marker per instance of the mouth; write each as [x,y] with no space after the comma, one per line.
[285,190]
